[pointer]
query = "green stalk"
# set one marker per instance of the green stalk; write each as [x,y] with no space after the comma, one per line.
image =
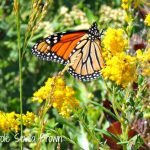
[111,92]
[43,113]
[42,123]
[114,106]
[20,66]
[124,134]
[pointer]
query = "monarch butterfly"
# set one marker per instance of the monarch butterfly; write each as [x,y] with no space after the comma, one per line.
[81,49]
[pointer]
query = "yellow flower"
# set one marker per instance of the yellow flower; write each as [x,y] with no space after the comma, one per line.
[128,18]
[121,69]
[29,118]
[114,41]
[62,97]
[147,20]
[125,5]
[11,121]
[143,59]
[128,3]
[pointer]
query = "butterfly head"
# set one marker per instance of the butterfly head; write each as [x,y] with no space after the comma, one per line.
[94,32]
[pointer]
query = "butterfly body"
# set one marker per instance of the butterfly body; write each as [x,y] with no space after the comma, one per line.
[81,49]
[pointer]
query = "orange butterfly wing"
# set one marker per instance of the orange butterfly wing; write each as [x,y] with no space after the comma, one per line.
[80,48]
[57,47]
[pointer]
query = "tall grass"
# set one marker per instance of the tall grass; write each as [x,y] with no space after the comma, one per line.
[17,11]
[37,15]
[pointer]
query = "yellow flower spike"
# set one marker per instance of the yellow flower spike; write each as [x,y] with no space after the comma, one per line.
[114,41]
[69,92]
[55,104]
[49,81]
[139,53]
[41,94]
[128,3]
[62,97]
[29,118]
[121,69]
[147,20]
[58,94]
[60,81]
[128,18]
[44,91]
[143,59]
[125,6]
[11,121]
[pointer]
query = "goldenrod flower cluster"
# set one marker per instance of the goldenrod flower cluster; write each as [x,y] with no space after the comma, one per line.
[144,61]
[147,20]
[62,97]
[11,121]
[29,119]
[121,68]
[125,4]
[114,41]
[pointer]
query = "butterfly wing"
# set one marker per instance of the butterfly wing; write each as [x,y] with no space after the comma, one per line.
[86,59]
[79,48]
[58,47]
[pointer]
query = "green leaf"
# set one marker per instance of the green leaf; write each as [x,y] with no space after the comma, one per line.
[107,133]
[140,80]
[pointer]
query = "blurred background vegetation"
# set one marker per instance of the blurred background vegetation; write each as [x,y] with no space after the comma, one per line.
[62,15]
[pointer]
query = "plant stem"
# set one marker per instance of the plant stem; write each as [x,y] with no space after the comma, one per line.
[114,105]
[112,93]
[124,134]
[17,3]
[43,112]
[42,123]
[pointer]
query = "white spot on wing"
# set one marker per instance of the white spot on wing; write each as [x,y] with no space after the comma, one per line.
[55,41]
